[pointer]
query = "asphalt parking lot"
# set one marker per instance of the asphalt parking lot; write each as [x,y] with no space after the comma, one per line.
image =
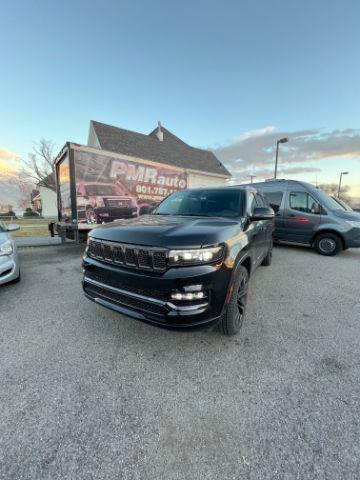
[88,394]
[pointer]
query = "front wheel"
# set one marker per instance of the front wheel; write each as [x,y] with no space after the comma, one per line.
[328,244]
[233,319]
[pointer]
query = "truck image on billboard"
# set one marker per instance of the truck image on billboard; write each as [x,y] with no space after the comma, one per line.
[114,187]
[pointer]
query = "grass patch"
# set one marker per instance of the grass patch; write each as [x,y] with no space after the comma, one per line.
[31,227]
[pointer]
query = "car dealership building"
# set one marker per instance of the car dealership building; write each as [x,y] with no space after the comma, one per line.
[120,174]
[161,146]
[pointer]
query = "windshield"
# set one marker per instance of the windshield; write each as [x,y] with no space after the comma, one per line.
[223,202]
[327,201]
[93,190]
[344,205]
[2,227]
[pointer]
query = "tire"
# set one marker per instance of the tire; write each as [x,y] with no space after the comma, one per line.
[233,319]
[267,260]
[328,244]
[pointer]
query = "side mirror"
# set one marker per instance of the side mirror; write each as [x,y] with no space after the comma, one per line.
[12,227]
[262,213]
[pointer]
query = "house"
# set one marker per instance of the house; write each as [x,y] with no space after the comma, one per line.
[202,167]
[45,201]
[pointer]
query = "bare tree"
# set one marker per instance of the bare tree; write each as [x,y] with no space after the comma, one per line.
[39,167]
[332,189]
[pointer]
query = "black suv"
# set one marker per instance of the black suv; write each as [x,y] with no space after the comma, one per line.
[187,265]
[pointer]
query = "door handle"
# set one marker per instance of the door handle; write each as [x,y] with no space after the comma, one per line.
[292,215]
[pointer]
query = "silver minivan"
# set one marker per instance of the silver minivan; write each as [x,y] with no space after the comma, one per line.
[306,215]
[9,260]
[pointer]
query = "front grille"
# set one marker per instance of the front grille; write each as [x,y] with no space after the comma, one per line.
[103,276]
[133,256]
[118,298]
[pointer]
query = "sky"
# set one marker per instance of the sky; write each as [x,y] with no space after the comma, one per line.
[232,76]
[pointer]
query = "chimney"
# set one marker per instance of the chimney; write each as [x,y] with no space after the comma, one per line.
[160,133]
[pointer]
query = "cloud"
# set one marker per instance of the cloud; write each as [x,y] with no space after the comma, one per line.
[254,151]
[8,154]
[255,133]
[9,163]
[9,175]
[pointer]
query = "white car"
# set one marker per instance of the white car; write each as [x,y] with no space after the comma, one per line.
[9,260]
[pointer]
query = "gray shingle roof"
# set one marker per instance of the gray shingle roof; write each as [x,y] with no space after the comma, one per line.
[171,150]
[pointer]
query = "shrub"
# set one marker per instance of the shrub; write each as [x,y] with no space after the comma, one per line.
[30,213]
[10,213]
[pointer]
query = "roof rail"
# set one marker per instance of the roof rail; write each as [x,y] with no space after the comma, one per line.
[275,179]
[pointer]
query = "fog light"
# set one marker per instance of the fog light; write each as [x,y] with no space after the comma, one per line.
[187,295]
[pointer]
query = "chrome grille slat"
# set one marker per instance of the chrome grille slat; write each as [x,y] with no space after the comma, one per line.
[128,255]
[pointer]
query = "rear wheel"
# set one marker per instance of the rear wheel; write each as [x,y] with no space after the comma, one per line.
[233,319]
[328,244]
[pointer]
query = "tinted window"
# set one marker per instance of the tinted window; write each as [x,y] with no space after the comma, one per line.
[303,202]
[208,203]
[251,203]
[260,201]
[274,199]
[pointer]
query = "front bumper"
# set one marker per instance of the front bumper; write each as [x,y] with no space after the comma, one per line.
[352,238]
[9,269]
[146,296]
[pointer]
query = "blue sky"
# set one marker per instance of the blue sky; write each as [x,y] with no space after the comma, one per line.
[215,73]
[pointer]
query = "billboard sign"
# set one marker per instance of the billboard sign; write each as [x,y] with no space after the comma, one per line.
[110,188]
[64,188]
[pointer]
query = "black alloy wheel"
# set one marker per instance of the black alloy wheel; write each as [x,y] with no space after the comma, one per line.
[233,319]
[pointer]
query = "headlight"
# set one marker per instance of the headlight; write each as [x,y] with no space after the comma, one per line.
[6,248]
[353,223]
[196,256]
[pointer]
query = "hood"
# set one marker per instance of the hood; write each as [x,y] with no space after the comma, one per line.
[354,216]
[169,231]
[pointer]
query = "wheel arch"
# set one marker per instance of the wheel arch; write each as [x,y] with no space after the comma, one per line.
[247,263]
[329,230]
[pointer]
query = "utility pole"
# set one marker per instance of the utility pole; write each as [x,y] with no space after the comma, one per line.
[251,178]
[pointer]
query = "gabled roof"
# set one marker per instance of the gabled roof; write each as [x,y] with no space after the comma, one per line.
[48,181]
[171,150]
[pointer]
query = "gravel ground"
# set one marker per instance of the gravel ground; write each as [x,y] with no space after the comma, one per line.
[88,394]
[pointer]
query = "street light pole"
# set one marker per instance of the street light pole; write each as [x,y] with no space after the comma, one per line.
[281,140]
[251,178]
[339,189]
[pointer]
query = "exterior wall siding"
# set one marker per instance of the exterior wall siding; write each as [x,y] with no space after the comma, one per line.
[197,180]
[48,202]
